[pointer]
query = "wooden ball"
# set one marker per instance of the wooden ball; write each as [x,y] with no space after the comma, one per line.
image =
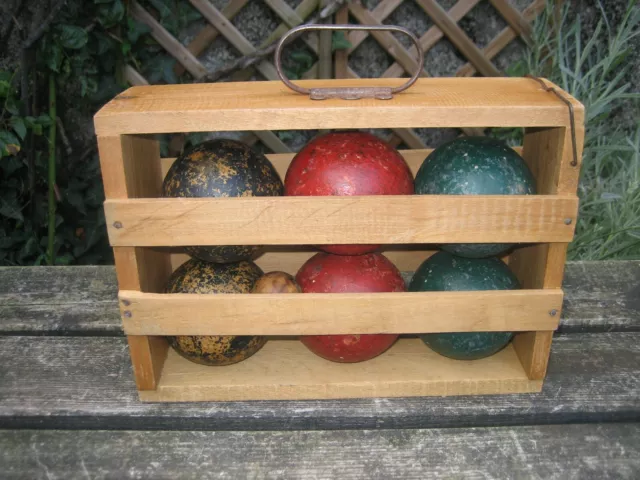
[276,282]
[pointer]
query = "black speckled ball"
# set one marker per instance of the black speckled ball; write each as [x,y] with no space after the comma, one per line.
[197,276]
[222,168]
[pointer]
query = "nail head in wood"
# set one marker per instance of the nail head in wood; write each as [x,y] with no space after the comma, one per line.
[127,313]
[117,224]
[552,313]
[126,303]
[567,221]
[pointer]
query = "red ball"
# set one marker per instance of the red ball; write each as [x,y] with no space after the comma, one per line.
[348,163]
[324,273]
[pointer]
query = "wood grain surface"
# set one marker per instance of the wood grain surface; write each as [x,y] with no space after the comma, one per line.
[590,452]
[86,382]
[353,220]
[82,300]
[431,102]
[339,313]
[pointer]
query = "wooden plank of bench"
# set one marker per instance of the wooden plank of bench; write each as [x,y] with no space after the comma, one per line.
[551,451]
[599,296]
[86,383]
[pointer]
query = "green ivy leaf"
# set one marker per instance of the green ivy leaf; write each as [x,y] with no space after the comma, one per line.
[136,29]
[339,41]
[73,37]
[5,84]
[9,206]
[54,57]
[75,199]
[12,105]
[18,125]
[104,43]
[11,143]
[110,16]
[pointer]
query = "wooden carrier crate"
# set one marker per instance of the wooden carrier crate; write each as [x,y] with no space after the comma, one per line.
[142,226]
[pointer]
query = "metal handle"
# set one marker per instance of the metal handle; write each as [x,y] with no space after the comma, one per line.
[349,93]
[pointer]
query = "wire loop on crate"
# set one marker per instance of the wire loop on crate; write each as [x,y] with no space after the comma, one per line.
[572,121]
[349,93]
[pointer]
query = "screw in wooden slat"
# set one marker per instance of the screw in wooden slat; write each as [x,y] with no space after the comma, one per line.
[117,224]
[552,313]
[126,302]
[567,221]
[127,313]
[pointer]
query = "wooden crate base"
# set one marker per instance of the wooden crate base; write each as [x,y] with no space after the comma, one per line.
[286,370]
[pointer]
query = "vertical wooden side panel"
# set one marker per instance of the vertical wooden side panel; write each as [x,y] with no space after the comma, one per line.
[549,153]
[131,169]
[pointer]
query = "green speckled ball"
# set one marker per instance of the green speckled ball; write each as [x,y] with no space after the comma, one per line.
[197,276]
[474,166]
[446,272]
[222,168]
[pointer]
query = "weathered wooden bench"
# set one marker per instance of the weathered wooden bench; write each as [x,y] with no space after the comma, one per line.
[69,407]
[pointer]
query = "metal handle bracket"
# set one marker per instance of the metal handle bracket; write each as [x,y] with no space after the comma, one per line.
[349,93]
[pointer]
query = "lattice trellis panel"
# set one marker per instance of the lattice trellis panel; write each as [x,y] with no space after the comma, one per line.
[219,23]
[445,26]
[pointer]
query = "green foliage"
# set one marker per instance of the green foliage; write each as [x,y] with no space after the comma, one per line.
[339,41]
[80,229]
[593,67]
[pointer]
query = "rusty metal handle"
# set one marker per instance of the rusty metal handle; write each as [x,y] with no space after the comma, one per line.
[349,93]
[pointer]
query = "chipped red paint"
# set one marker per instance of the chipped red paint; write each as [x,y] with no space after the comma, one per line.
[348,163]
[325,273]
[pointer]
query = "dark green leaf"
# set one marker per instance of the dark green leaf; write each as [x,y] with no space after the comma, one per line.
[5,84]
[162,8]
[10,164]
[104,43]
[44,120]
[135,29]
[9,206]
[339,41]
[18,125]
[72,37]
[125,47]
[75,199]
[10,141]
[66,259]
[54,57]
[29,248]
[12,105]
[168,73]
[303,58]
[109,16]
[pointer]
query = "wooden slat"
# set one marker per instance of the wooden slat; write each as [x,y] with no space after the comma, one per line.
[503,39]
[131,168]
[208,34]
[516,21]
[458,38]
[133,77]
[285,369]
[386,39]
[168,41]
[85,382]
[431,102]
[433,35]
[353,220]
[285,12]
[381,11]
[82,300]
[231,33]
[341,313]
[600,451]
